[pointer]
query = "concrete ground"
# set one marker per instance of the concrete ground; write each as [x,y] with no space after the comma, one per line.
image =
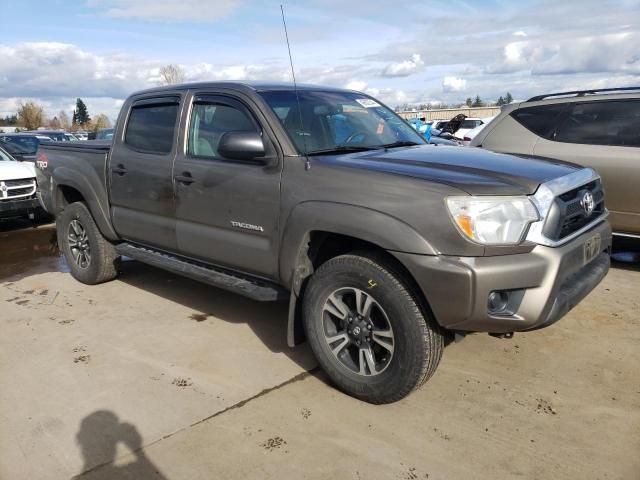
[156,376]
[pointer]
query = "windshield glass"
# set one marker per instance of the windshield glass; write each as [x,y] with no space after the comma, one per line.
[23,145]
[341,121]
[4,156]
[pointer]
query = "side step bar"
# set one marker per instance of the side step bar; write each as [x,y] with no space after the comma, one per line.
[254,288]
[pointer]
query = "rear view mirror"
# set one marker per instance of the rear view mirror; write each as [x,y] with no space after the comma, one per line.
[242,146]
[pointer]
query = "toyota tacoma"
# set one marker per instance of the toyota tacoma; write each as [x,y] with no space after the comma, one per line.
[384,246]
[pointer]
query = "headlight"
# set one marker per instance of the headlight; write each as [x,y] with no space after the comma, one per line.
[493,220]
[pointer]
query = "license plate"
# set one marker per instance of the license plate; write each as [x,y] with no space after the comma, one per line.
[591,248]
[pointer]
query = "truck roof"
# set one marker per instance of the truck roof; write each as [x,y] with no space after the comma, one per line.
[244,86]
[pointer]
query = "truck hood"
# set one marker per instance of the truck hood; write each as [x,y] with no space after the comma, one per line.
[10,170]
[476,171]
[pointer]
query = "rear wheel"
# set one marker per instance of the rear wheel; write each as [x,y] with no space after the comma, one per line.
[368,330]
[90,256]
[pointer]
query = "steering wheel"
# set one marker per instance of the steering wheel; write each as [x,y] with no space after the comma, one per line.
[351,137]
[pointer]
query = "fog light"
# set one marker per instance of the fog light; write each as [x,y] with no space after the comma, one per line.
[498,302]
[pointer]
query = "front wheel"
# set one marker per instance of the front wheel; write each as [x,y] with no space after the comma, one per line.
[368,330]
[90,256]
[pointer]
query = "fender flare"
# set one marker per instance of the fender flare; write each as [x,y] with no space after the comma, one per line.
[380,229]
[93,192]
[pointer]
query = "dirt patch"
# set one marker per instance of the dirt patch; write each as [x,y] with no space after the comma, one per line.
[544,407]
[199,317]
[182,382]
[274,443]
[305,412]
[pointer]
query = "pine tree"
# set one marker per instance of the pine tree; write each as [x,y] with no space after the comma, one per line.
[80,114]
[477,102]
[508,99]
[469,102]
[500,101]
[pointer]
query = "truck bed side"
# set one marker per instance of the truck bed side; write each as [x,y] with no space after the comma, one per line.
[70,172]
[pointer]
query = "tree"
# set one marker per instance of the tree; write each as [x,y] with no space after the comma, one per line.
[101,121]
[30,115]
[508,99]
[469,102]
[63,118]
[477,102]
[171,74]
[80,114]
[54,123]
[500,101]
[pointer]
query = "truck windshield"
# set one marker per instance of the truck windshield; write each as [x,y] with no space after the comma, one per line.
[335,122]
[20,145]
[4,157]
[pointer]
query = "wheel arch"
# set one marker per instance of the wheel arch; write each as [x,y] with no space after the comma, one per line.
[68,188]
[319,231]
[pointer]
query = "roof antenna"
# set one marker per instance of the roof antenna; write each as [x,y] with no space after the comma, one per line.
[307,163]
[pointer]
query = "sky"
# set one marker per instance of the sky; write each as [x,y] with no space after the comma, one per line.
[53,51]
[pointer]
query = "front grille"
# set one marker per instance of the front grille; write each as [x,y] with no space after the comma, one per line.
[568,215]
[10,189]
[19,182]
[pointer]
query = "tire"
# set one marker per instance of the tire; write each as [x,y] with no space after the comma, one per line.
[90,256]
[402,344]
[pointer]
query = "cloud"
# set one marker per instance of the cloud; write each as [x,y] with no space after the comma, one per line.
[167,10]
[453,84]
[404,68]
[590,54]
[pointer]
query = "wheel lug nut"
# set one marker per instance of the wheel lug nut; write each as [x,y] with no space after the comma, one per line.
[369,327]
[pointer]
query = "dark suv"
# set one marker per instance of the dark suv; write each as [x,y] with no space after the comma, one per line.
[595,128]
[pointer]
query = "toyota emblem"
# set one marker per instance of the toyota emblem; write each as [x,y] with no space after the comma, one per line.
[587,203]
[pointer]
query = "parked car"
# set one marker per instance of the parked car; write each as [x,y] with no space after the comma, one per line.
[55,135]
[70,137]
[471,134]
[18,188]
[595,128]
[22,146]
[432,135]
[104,134]
[468,124]
[81,135]
[382,244]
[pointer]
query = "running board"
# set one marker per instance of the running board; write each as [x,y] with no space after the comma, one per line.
[253,288]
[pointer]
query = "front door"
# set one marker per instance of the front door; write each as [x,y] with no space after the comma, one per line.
[140,169]
[227,210]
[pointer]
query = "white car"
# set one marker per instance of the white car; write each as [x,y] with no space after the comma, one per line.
[18,188]
[470,134]
[467,125]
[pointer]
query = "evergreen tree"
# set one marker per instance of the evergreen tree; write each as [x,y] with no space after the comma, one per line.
[508,99]
[469,102]
[500,101]
[80,114]
[477,102]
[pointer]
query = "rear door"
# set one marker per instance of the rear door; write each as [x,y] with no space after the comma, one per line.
[603,135]
[140,170]
[228,210]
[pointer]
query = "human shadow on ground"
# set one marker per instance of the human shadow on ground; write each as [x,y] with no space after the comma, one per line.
[98,437]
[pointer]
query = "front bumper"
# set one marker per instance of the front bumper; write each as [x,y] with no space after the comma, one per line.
[18,208]
[550,281]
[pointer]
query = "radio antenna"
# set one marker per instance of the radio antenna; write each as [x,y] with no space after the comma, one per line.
[307,163]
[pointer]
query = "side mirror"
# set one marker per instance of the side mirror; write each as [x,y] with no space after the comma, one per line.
[242,146]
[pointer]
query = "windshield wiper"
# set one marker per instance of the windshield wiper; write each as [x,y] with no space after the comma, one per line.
[341,149]
[401,143]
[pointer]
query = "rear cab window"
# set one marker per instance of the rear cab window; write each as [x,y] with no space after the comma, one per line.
[152,124]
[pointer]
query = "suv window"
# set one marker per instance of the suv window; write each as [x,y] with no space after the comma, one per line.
[471,124]
[615,123]
[151,126]
[209,122]
[539,120]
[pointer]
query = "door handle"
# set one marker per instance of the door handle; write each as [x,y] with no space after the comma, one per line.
[119,169]
[185,178]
